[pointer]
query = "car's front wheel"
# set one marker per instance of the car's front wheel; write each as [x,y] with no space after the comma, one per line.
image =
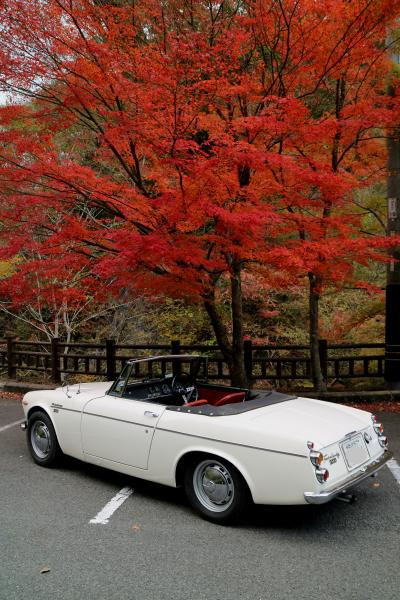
[216,489]
[42,440]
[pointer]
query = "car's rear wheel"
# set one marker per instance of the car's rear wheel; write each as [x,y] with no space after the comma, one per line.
[216,489]
[42,440]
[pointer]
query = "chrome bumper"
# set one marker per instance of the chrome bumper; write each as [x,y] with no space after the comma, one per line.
[323,497]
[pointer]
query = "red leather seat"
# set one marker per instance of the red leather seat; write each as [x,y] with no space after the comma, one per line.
[231,399]
[199,402]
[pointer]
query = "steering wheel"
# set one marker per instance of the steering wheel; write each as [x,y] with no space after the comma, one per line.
[184,388]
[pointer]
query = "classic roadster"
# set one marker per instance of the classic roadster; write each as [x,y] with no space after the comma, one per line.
[161,420]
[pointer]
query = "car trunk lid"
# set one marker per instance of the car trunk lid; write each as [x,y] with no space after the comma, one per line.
[309,420]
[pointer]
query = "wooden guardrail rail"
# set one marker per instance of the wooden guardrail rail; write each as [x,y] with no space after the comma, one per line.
[278,364]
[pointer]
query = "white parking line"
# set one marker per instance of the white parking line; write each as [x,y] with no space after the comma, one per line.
[395,469]
[104,515]
[5,427]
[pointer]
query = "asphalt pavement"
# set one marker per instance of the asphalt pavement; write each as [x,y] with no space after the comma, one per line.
[155,547]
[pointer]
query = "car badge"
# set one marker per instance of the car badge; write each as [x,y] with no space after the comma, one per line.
[367,437]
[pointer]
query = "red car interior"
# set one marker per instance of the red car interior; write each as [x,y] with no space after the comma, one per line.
[197,402]
[231,399]
[211,394]
[217,397]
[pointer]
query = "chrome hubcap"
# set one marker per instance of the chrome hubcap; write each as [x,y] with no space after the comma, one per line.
[40,439]
[213,485]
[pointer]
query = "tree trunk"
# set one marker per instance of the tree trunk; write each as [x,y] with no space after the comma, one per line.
[316,371]
[237,368]
[232,351]
[64,376]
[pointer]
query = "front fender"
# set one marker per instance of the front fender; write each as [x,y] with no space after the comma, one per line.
[66,420]
[33,404]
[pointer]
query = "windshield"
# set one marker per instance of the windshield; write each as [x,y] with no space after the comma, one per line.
[159,368]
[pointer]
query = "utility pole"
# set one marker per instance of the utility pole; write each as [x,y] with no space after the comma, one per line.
[392,329]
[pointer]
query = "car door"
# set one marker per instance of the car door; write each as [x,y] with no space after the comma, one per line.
[119,429]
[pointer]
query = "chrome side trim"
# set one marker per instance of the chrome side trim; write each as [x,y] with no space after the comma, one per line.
[363,473]
[208,439]
[69,409]
[103,416]
[114,419]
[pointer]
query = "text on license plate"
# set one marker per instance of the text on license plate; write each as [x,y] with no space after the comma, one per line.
[355,451]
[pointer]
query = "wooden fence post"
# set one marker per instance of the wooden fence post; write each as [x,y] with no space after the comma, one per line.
[11,367]
[175,349]
[55,363]
[110,360]
[323,357]
[248,359]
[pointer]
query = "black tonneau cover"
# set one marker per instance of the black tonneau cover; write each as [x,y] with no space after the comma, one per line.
[256,400]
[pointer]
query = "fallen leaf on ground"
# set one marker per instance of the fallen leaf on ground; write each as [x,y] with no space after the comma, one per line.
[11,395]
[45,570]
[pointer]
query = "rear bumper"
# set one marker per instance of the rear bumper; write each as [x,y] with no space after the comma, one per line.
[323,497]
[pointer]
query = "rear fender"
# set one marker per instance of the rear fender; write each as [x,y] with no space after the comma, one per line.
[210,451]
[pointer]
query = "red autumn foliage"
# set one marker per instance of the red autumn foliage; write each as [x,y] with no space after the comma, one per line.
[172,147]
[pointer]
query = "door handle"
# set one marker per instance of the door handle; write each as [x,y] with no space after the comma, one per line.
[148,413]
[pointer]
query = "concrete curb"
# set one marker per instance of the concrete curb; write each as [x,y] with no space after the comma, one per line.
[22,387]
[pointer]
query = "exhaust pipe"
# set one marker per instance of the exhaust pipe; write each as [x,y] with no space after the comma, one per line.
[349,498]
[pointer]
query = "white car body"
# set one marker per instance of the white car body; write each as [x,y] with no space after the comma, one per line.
[268,445]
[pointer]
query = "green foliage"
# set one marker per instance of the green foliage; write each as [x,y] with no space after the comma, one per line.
[6,268]
[144,322]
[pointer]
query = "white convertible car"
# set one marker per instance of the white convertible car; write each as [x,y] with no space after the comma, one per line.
[161,421]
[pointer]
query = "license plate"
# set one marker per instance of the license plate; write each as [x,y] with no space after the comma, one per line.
[355,451]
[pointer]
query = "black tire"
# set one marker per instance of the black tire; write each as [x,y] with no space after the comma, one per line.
[216,489]
[42,440]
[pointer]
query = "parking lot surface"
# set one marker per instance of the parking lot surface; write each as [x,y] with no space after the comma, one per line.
[154,547]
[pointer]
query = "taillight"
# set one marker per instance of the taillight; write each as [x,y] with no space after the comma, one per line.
[322,475]
[316,458]
[383,440]
[378,427]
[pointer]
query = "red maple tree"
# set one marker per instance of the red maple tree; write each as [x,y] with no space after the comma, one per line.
[171,147]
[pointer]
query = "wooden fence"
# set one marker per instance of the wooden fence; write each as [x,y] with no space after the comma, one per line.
[281,365]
